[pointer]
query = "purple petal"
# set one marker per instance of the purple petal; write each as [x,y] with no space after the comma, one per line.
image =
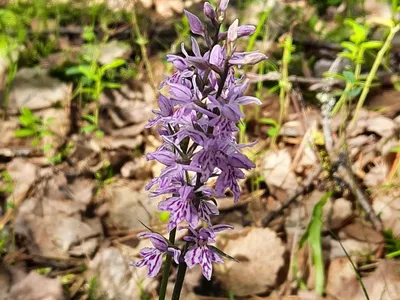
[233,31]
[247,100]
[201,256]
[247,58]
[245,30]
[154,265]
[223,5]
[156,239]
[177,61]
[209,11]
[195,24]
[175,253]
[221,227]
[195,47]
[215,257]
[217,56]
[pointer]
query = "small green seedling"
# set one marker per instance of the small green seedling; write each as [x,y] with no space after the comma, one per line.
[275,128]
[33,127]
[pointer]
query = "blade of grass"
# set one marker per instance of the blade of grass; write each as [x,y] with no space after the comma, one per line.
[374,69]
[313,237]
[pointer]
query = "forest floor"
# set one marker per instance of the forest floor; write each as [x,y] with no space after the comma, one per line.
[319,217]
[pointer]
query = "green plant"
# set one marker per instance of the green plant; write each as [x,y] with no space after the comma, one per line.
[284,83]
[355,50]
[312,235]
[104,176]
[33,127]
[4,238]
[392,244]
[9,183]
[63,153]
[12,36]
[274,129]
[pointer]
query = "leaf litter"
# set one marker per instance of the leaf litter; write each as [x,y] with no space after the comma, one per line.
[84,213]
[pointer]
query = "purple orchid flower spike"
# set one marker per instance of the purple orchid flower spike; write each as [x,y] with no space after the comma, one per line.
[199,109]
[152,257]
[201,253]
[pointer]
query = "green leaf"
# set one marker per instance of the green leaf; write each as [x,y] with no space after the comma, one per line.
[273,131]
[24,132]
[268,121]
[395,149]
[99,133]
[372,45]
[313,236]
[354,92]
[47,147]
[349,76]
[88,72]
[220,252]
[141,41]
[112,85]
[164,216]
[90,118]
[73,71]
[89,128]
[113,65]
[26,120]
[349,46]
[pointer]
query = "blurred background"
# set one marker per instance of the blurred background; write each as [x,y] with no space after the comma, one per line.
[318,217]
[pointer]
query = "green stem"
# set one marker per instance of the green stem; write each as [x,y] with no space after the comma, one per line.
[167,268]
[374,69]
[179,281]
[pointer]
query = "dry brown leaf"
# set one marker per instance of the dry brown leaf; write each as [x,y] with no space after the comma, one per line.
[382,284]
[37,287]
[388,208]
[114,50]
[381,125]
[129,204]
[34,89]
[276,168]
[260,255]
[116,278]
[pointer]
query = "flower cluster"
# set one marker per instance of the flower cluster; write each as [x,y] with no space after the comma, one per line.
[199,108]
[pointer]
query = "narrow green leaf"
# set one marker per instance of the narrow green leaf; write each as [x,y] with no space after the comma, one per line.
[372,45]
[24,132]
[114,64]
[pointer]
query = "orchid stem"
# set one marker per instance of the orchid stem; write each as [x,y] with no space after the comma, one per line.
[167,268]
[180,277]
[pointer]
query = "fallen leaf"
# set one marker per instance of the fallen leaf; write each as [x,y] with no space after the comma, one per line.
[257,273]
[276,169]
[34,89]
[129,204]
[381,125]
[388,208]
[116,278]
[37,287]
[383,283]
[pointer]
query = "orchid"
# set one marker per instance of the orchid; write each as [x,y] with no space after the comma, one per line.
[199,108]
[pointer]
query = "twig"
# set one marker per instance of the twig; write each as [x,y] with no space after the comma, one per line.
[300,191]
[348,176]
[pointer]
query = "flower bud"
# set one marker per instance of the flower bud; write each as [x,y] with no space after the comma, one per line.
[245,30]
[195,24]
[223,5]
[209,12]
[249,58]
[233,31]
